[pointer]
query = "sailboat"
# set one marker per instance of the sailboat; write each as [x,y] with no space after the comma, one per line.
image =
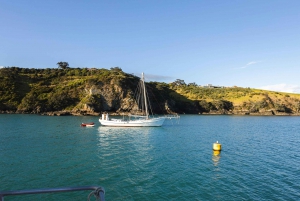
[136,120]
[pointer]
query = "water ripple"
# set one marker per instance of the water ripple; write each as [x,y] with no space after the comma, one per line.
[259,160]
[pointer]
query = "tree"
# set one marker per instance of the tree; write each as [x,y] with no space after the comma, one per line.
[192,84]
[223,105]
[179,82]
[63,64]
[116,69]
[205,106]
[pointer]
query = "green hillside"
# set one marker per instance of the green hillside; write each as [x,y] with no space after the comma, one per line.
[243,100]
[83,91]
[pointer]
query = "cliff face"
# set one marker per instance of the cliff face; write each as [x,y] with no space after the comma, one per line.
[109,97]
[94,91]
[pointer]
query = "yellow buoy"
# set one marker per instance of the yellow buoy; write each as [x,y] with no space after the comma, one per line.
[216,153]
[217,146]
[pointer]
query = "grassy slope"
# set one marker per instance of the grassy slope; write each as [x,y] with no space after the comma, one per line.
[236,95]
[57,89]
[243,98]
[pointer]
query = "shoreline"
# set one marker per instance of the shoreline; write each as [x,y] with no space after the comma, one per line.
[85,113]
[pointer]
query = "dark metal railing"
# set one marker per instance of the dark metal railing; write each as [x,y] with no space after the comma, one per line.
[98,192]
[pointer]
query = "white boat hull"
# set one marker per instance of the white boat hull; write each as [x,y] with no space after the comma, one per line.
[134,123]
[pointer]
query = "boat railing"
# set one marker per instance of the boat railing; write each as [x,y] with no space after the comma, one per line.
[137,116]
[98,192]
[119,120]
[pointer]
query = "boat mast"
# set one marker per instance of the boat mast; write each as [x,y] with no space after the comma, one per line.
[145,97]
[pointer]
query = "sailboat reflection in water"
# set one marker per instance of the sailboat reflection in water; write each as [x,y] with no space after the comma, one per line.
[143,120]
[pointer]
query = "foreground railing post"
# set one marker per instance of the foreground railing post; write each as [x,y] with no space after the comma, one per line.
[98,191]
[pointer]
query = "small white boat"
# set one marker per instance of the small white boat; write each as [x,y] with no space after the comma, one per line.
[144,120]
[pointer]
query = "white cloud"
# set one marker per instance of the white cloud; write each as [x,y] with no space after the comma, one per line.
[1,66]
[252,62]
[248,64]
[290,88]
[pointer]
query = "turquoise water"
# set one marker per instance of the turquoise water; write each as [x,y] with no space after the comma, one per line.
[260,159]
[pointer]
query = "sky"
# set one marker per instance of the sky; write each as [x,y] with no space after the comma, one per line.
[251,43]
